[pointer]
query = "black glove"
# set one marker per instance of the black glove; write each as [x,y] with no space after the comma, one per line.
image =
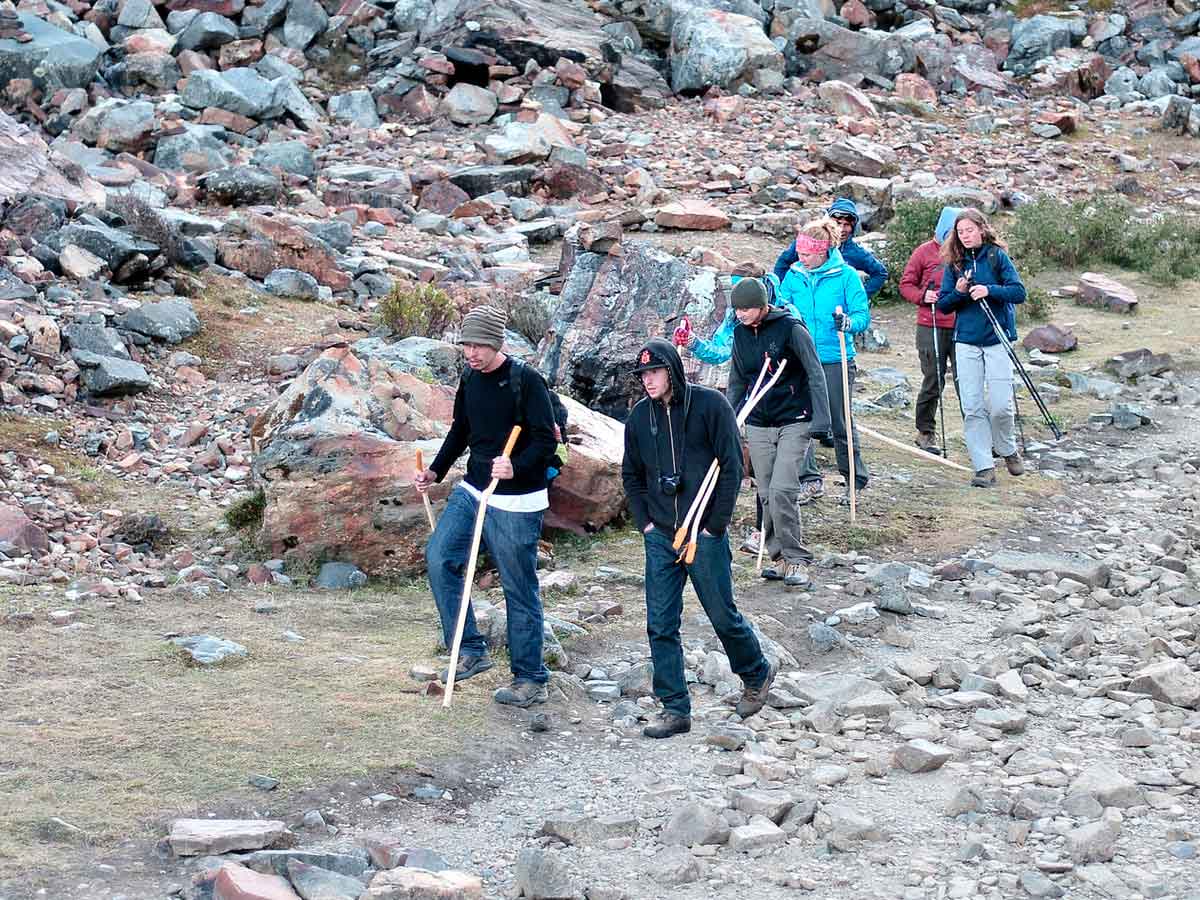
[841,321]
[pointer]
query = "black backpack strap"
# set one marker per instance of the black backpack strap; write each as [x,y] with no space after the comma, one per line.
[516,380]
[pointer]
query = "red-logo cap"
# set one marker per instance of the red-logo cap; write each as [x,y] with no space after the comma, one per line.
[645,358]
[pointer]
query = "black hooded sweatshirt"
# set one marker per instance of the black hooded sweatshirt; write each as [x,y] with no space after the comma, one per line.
[801,394]
[681,438]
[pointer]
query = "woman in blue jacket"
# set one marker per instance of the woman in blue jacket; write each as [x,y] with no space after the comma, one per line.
[979,271]
[817,284]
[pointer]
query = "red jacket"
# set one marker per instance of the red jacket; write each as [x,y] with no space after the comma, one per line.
[923,273]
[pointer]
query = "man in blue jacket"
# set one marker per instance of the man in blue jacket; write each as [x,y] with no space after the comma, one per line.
[845,213]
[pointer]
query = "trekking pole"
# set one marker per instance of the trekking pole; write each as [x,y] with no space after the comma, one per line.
[937,361]
[849,426]
[476,537]
[1024,374]
[710,476]
[706,490]
[424,496]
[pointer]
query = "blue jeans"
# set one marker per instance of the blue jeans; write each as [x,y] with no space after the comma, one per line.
[713,582]
[511,541]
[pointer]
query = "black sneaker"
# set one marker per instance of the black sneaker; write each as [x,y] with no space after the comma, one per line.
[774,572]
[668,724]
[755,698]
[468,666]
[521,693]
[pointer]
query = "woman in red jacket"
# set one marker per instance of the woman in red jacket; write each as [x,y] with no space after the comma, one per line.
[919,284]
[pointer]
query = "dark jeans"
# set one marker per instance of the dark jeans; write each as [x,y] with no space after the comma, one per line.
[511,541]
[837,414]
[710,575]
[933,369]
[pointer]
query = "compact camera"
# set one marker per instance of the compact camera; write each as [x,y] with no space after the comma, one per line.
[670,484]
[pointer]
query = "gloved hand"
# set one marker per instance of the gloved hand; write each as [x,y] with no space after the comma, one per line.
[682,336]
[841,321]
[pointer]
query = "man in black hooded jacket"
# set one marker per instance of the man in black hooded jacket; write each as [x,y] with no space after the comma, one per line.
[671,437]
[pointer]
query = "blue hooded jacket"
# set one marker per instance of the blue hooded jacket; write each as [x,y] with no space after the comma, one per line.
[855,255]
[818,293]
[988,265]
[719,348]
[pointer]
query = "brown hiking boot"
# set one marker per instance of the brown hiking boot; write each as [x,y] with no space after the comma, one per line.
[984,478]
[1014,464]
[928,442]
[667,725]
[755,698]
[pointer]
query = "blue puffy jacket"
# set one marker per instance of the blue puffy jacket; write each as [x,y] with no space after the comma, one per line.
[719,348]
[988,265]
[818,293]
[855,255]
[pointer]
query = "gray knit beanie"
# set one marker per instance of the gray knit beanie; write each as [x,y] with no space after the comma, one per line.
[749,293]
[484,325]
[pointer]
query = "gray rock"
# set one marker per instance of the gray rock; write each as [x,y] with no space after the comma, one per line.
[1168,681]
[107,376]
[773,805]
[759,833]
[1036,884]
[1107,786]
[1035,38]
[197,147]
[1129,416]
[95,339]
[695,824]
[467,104]
[844,828]
[117,125]
[337,233]
[239,90]
[158,70]
[480,180]
[542,875]
[638,681]
[52,59]
[113,245]
[292,283]
[243,186]
[172,321]
[355,108]
[315,883]
[414,355]
[721,50]
[206,31]
[292,157]
[1122,82]
[340,576]
[674,866]
[1094,842]
[1089,571]
[306,19]
[1156,83]
[922,756]
[207,650]
[589,831]
[345,860]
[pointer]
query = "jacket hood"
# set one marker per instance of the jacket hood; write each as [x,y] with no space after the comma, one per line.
[845,206]
[945,222]
[664,349]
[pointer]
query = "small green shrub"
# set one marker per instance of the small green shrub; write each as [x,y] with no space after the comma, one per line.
[911,226]
[247,511]
[144,221]
[1039,304]
[420,309]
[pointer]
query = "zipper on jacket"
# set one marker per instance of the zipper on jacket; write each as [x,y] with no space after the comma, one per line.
[674,464]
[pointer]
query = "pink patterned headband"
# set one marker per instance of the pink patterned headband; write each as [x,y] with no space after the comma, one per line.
[807,244]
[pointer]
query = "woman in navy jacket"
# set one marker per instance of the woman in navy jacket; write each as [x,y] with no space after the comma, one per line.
[979,271]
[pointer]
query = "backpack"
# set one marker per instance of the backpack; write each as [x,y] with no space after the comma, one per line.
[558,409]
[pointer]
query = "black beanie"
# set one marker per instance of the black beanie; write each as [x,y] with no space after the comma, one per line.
[749,293]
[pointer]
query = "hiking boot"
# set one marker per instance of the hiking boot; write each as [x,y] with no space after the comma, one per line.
[521,693]
[775,571]
[844,500]
[984,478]
[755,698]
[1014,464]
[796,575]
[810,491]
[469,665]
[826,440]
[750,544]
[668,724]
[927,442]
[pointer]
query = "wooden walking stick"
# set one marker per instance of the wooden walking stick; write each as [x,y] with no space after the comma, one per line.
[470,573]
[849,425]
[707,489]
[915,451]
[762,543]
[424,495]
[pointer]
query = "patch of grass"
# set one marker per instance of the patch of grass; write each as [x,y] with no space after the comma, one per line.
[1039,305]
[416,308]
[1104,230]
[25,435]
[247,511]
[109,730]
[911,226]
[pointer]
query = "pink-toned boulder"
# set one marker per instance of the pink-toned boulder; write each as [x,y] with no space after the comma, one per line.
[1103,292]
[419,884]
[847,100]
[16,528]
[273,243]
[911,86]
[588,492]
[1051,339]
[236,882]
[203,837]
[691,215]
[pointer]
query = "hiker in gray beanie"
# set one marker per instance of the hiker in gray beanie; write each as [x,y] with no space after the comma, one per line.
[484,325]
[495,393]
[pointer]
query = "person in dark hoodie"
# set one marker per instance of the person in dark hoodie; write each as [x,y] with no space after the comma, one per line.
[672,435]
[779,426]
[977,271]
[845,213]
[920,283]
[484,414]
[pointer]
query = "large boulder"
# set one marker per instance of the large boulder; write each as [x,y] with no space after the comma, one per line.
[29,167]
[608,307]
[713,47]
[1036,38]
[335,457]
[241,90]
[814,43]
[266,244]
[116,124]
[51,58]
